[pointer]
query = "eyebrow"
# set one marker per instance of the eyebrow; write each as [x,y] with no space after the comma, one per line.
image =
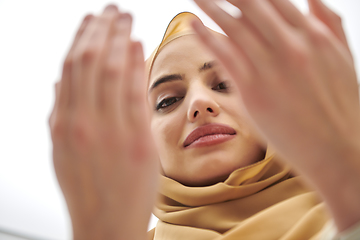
[176,77]
[207,65]
[164,79]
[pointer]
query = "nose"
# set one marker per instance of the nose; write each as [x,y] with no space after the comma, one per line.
[202,106]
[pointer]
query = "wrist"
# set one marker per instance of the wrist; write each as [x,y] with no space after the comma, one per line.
[338,183]
[118,233]
[131,227]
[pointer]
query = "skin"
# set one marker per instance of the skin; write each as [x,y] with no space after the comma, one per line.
[103,150]
[197,92]
[99,145]
[297,78]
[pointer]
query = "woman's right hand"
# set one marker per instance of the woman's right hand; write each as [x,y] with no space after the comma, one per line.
[102,146]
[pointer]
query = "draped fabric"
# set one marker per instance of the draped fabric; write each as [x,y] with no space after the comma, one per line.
[262,201]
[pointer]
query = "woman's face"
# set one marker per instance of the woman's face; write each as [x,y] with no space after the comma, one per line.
[197,121]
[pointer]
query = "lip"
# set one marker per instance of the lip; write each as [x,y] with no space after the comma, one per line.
[209,134]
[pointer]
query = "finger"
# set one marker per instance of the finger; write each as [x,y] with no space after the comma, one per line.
[138,112]
[56,104]
[134,89]
[138,91]
[289,12]
[110,86]
[233,61]
[329,18]
[266,19]
[89,55]
[239,30]
[65,88]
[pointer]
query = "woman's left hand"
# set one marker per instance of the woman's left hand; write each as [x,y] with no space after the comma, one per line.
[298,83]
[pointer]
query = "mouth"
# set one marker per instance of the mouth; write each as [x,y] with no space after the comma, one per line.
[209,134]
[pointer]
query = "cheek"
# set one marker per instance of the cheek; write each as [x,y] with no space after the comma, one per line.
[166,131]
[237,103]
[237,113]
[166,134]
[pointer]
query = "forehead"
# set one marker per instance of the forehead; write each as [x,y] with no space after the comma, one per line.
[181,55]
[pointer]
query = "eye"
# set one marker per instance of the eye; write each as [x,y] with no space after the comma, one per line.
[166,102]
[223,86]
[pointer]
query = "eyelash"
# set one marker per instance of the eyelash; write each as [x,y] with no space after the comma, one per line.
[224,84]
[166,100]
[222,87]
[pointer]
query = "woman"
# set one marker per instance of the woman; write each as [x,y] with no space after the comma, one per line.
[255,86]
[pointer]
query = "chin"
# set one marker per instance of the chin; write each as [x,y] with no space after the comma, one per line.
[213,168]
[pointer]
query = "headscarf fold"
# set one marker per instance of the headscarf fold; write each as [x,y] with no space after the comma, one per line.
[262,201]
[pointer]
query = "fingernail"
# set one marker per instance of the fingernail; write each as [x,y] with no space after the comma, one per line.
[111,8]
[88,18]
[198,26]
[124,19]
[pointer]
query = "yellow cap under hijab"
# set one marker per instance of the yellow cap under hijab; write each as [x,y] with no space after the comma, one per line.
[257,202]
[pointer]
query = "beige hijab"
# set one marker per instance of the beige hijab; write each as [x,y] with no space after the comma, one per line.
[258,202]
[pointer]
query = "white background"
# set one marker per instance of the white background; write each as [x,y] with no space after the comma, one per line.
[34,38]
